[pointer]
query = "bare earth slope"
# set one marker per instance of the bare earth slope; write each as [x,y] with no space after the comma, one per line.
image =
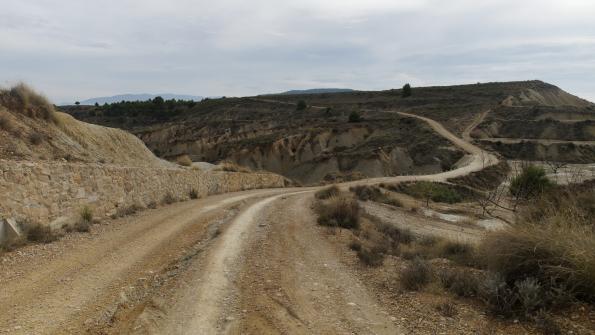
[71,140]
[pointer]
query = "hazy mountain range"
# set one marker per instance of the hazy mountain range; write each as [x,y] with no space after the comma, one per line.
[317,91]
[139,97]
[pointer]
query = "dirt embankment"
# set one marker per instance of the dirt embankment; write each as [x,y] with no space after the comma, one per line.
[66,139]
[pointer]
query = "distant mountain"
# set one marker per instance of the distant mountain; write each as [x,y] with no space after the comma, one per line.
[317,91]
[138,97]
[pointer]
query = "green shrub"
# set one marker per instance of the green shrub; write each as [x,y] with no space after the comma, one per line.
[301,105]
[193,194]
[436,192]
[326,193]
[354,117]
[339,212]
[416,276]
[531,182]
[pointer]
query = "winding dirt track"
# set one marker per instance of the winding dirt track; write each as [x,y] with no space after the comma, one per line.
[247,262]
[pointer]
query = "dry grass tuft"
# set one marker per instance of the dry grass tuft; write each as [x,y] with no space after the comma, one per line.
[326,193]
[184,160]
[22,99]
[40,234]
[550,253]
[338,212]
[5,121]
[232,167]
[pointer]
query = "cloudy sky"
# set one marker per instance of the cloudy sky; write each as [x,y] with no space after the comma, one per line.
[73,49]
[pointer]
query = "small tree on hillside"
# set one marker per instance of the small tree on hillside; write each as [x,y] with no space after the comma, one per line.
[77,103]
[354,117]
[301,105]
[406,91]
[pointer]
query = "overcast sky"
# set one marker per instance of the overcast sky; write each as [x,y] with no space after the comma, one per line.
[74,49]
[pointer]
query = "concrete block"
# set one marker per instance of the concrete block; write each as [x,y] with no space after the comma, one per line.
[9,230]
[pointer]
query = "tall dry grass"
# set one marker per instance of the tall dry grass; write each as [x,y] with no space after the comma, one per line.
[553,241]
[23,99]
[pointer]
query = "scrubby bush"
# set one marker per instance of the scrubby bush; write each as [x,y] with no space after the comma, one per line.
[184,160]
[355,117]
[40,234]
[396,234]
[193,194]
[87,214]
[531,182]
[498,296]
[550,254]
[416,276]
[371,257]
[35,138]
[339,212]
[459,282]
[460,252]
[85,220]
[301,105]
[373,193]
[447,309]
[5,122]
[326,193]
[355,245]
[436,192]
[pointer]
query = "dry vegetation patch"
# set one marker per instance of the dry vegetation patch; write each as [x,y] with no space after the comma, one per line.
[184,160]
[339,211]
[328,192]
[22,99]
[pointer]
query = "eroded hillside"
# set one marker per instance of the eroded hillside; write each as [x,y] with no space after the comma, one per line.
[350,135]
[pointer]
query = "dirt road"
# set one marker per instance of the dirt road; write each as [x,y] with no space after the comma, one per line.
[249,262]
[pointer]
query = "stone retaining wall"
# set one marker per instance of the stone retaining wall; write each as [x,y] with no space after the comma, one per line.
[52,192]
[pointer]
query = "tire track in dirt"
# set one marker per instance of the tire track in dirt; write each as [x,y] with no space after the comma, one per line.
[58,295]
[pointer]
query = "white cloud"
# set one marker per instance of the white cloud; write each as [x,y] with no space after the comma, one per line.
[75,49]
